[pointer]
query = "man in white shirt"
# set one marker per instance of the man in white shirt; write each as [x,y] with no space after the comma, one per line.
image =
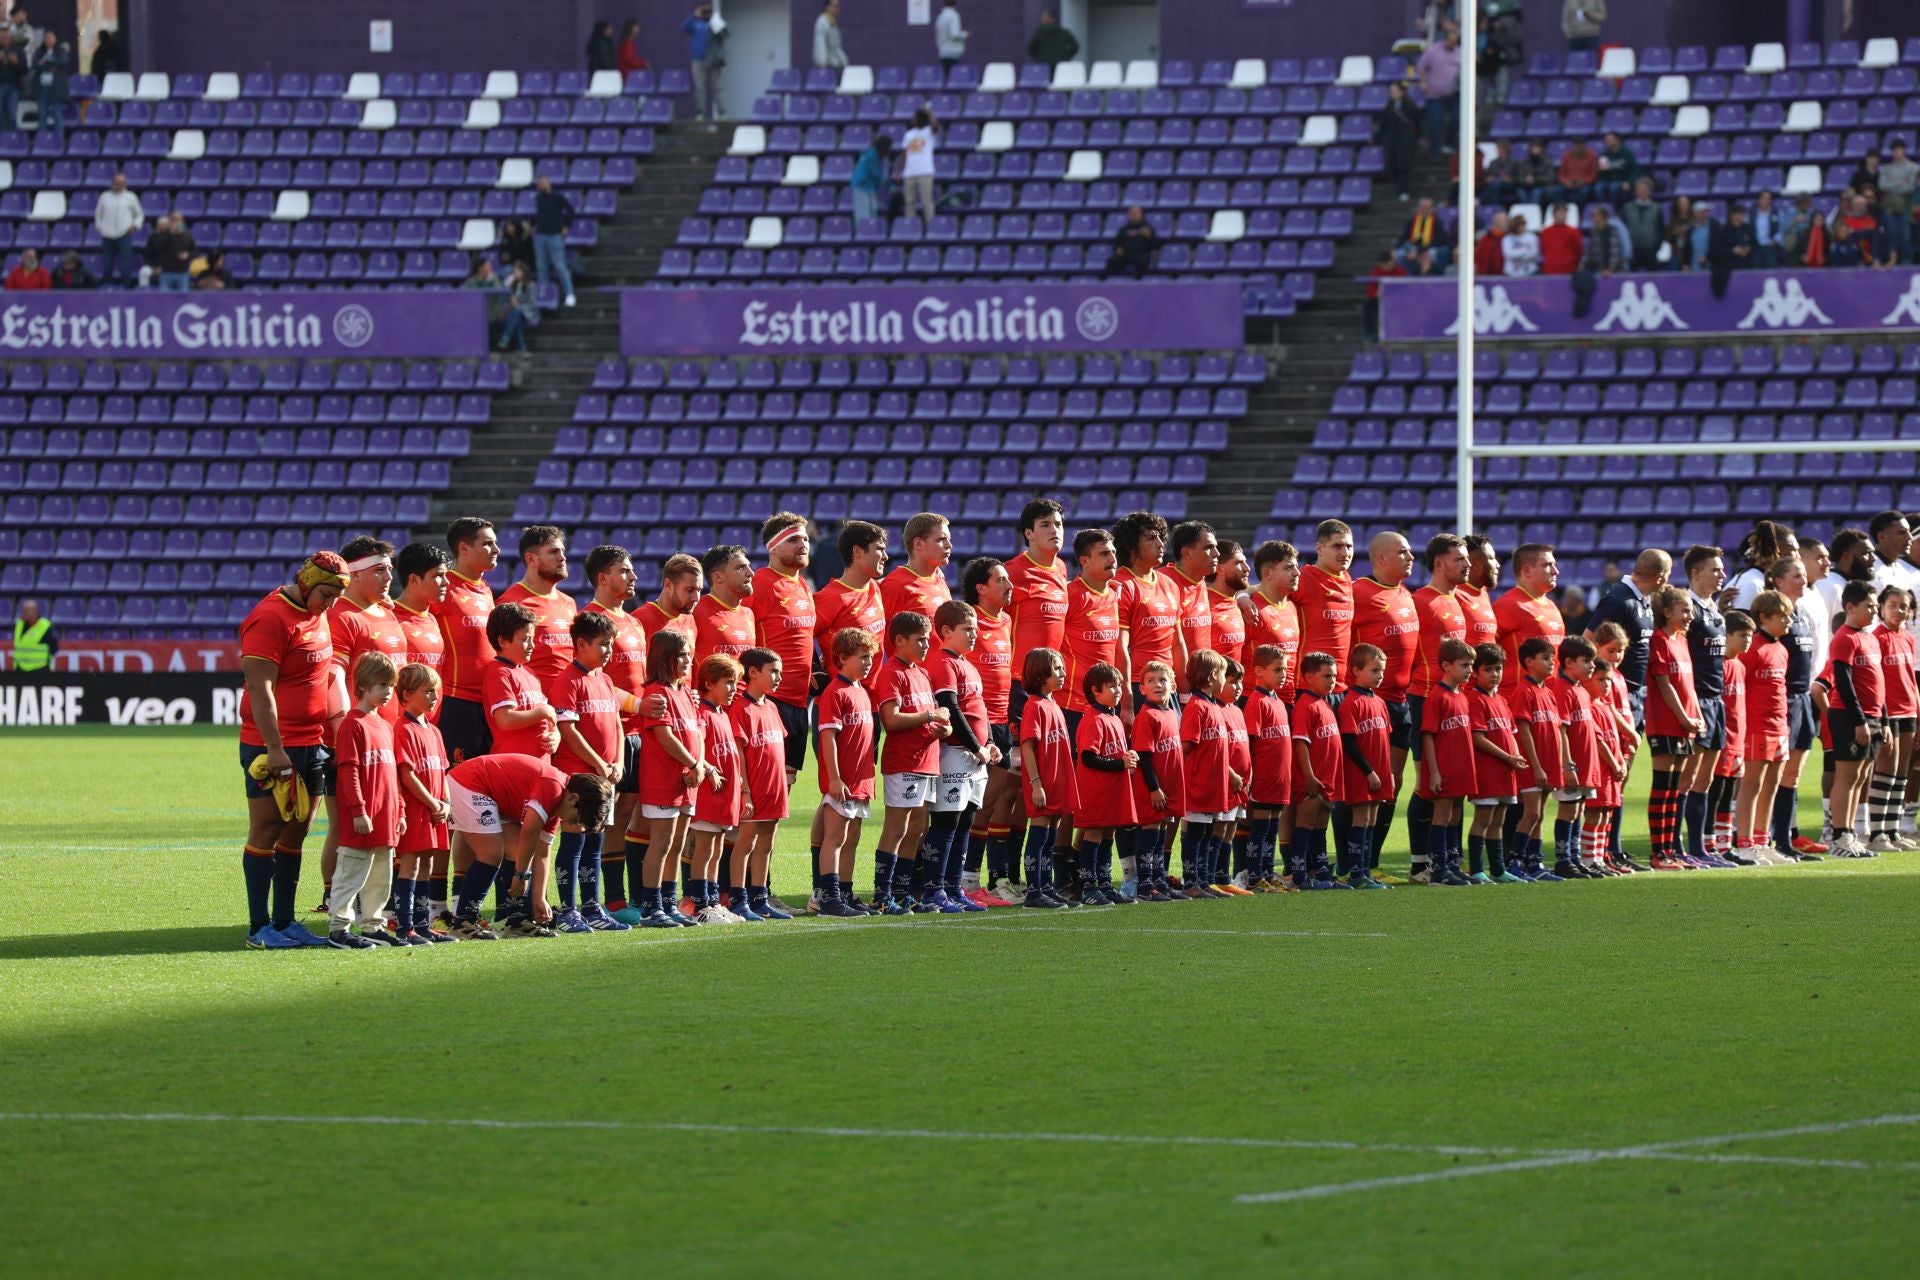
[1521,248]
[827,50]
[916,161]
[117,215]
[1892,537]
[949,36]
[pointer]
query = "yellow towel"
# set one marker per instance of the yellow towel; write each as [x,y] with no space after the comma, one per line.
[289,793]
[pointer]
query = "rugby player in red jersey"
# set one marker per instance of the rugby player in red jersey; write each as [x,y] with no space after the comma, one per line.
[1324,597]
[1039,577]
[722,623]
[1384,616]
[1528,609]
[784,615]
[1150,600]
[610,570]
[1227,628]
[543,548]
[286,657]
[1476,597]
[851,600]
[984,584]
[1269,609]
[421,570]
[920,585]
[1440,608]
[681,586]
[462,615]
[1195,553]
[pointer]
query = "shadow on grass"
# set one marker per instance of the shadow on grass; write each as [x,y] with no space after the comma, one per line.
[125,942]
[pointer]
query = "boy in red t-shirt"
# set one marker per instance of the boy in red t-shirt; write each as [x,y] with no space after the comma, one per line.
[718,806]
[964,758]
[909,761]
[844,713]
[1102,762]
[369,792]
[1270,786]
[1725,838]
[672,768]
[1596,842]
[1316,773]
[505,811]
[1366,773]
[1446,760]
[1498,767]
[1207,742]
[420,762]
[1236,834]
[591,712]
[1536,720]
[518,715]
[1613,704]
[1046,759]
[1768,725]
[760,737]
[1160,783]
[1673,720]
[1587,755]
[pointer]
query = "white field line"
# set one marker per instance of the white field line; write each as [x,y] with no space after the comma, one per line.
[1532,1158]
[1062,929]
[1678,1150]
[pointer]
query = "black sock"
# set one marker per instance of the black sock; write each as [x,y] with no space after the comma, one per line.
[257,866]
[1784,801]
[1476,854]
[1382,826]
[1419,819]
[423,905]
[286,887]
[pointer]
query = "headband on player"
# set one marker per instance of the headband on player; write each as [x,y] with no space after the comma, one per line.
[367,562]
[786,535]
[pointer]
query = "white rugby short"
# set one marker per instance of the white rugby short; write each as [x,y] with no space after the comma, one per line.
[909,790]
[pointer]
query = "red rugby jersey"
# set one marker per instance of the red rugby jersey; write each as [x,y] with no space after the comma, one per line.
[784,617]
[463,630]
[300,644]
[552,637]
[1385,617]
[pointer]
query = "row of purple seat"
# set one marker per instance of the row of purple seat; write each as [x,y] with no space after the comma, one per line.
[1606,431]
[275,375]
[1605,472]
[834,373]
[257,477]
[776,448]
[1781,86]
[1727,59]
[235,440]
[249,529]
[1046,404]
[1605,363]
[955,110]
[1175,73]
[1105,196]
[1660,396]
[188,86]
[683,480]
[1658,122]
[191,410]
[448,114]
[138,155]
[1262,223]
[166,510]
[1028,262]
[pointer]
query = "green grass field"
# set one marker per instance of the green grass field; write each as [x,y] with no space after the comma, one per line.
[1684,1075]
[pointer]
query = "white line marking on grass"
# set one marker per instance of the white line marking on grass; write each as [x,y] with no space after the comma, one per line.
[1645,1151]
[1063,929]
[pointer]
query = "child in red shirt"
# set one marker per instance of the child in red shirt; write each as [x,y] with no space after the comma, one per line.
[1725,839]
[1613,704]
[517,712]
[1316,773]
[1207,741]
[1240,758]
[1366,774]
[1498,768]
[1587,756]
[845,753]
[1768,725]
[909,761]
[369,792]
[1597,829]
[1536,720]
[1673,720]
[420,761]
[1903,705]
[590,710]
[1046,759]
[1446,759]
[1270,787]
[672,767]
[1102,765]
[760,737]
[718,806]
[965,757]
[1159,784]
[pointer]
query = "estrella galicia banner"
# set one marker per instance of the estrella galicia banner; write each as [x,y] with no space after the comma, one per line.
[223,324]
[1634,306]
[925,319]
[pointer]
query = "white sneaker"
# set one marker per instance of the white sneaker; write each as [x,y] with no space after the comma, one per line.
[1882,844]
[570,300]
[1240,881]
[813,903]
[716,915]
[1003,889]
[1906,843]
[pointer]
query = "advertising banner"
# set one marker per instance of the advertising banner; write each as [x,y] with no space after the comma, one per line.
[1634,306]
[137,657]
[63,698]
[928,319]
[219,325]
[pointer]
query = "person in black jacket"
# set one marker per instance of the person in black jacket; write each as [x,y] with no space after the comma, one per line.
[52,64]
[1052,44]
[552,212]
[601,55]
[1730,247]
[1396,127]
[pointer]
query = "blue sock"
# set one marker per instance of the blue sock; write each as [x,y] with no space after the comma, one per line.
[1034,856]
[1317,851]
[423,905]
[1563,850]
[1193,856]
[590,868]
[258,869]
[403,905]
[1297,853]
[1693,812]
[473,889]
[566,866]
[936,851]
[957,850]
[1437,847]
[883,868]
[829,886]
[1088,858]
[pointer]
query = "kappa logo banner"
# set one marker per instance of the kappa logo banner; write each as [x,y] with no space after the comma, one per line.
[905,319]
[1627,306]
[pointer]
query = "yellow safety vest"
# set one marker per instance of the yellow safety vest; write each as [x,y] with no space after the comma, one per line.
[29,645]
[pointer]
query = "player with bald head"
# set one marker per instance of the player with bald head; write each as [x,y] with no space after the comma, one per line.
[1384,617]
[1629,603]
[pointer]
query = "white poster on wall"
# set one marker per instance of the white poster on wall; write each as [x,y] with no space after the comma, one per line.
[919,12]
[380,36]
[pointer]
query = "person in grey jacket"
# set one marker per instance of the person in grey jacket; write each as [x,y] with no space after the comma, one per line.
[1646,226]
[1580,22]
[1603,256]
[827,49]
[1897,178]
[950,35]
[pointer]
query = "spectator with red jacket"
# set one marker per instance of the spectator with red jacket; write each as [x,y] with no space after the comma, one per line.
[1561,245]
[29,274]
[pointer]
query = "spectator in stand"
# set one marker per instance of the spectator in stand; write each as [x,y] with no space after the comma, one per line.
[25,37]
[1579,170]
[1561,244]
[1697,239]
[706,46]
[600,51]
[72,273]
[1051,43]
[1498,176]
[627,58]
[1605,252]
[1580,22]
[1521,248]
[828,52]
[1731,248]
[52,64]
[522,309]
[481,276]
[552,212]
[1423,233]
[1439,72]
[1504,51]
[1134,246]
[1679,232]
[869,181]
[1866,173]
[1610,577]
[1842,249]
[1803,236]
[1573,609]
[516,244]
[1488,260]
[950,35]
[28,274]
[1387,267]
[1646,226]
[117,215]
[1533,175]
[215,275]
[917,146]
[107,57]
[1897,177]
[1396,127]
[1425,266]
[1768,222]
[13,74]
[1857,217]
[170,253]
[1619,169]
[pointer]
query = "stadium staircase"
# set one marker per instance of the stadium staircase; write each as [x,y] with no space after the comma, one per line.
[1309,353]
[569,342]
